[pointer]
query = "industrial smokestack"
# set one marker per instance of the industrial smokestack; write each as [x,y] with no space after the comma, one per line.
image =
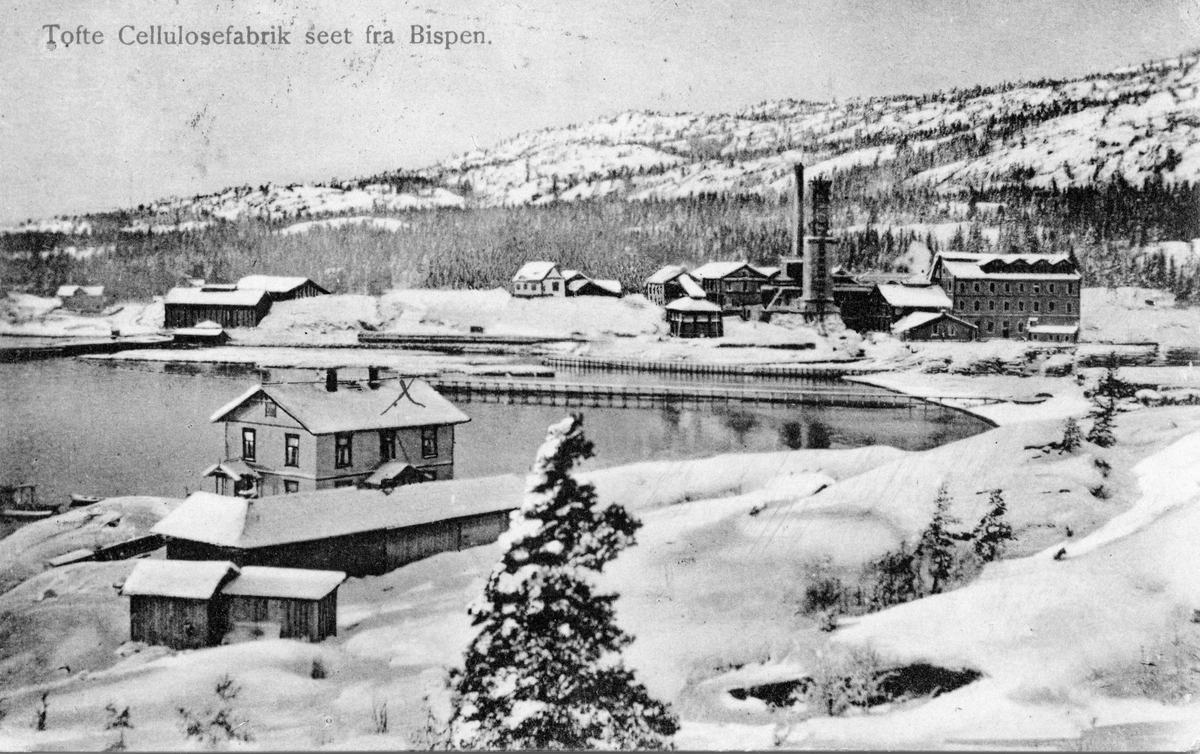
[373,378]
[331,380]
[798,211]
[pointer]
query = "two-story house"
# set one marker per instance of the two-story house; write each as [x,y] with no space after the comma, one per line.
[733,285]
[294,437]
[536,279]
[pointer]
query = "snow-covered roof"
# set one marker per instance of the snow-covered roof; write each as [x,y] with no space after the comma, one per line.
[716,270]
[1054,329]
[691,287]
[273,283]
[215,298]
[972,271]
[769,272]
[353,408]
[66,291]
[185,579]
[533,271]
[915,297]
[235,522]
[692,305]
[612,286]
[232,468]
[573,274]
[288,583]
[916,319]
[387,472]
[667,274]
[1008,266]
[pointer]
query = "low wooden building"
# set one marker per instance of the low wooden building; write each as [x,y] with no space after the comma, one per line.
[171,603]
[281,288]
[288,603]
[695,318]
[188,307]
[361,532]
[190,604]
[1051,333]
[934,326]
[590,287]
[889,303]
[86,299]
[670,283]
[206,333]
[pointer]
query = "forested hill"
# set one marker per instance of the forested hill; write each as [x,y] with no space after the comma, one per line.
[1103,166]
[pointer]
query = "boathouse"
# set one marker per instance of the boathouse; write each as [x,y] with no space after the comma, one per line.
[934,326]
[297,437]
[695,318]
[536,279]
[188,307]
[281,288]
[187,604]
[359,531]
[670,283]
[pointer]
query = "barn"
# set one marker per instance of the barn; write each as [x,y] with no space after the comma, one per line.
[695,318]
[171,602]
[188,307]
[281,288]
[361,532]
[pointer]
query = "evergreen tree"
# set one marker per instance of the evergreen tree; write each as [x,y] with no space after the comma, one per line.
[1103,412]
[1072,436]
[992,532]
[936,549]
[545,671]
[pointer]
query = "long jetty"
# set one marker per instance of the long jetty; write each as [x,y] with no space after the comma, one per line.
[827,370]
[78,347]
[456,340]
[633,396]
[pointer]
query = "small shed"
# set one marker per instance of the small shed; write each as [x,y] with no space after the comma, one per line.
[290,603]
[82,298]
[1053,333]
[934,326]
[188,307]
[171,602]
[280,287]
[206,333]
[695,318]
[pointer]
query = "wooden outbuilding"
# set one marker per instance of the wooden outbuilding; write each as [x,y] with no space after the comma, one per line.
[288,603]
[695,318]
[86,299]
[171,602]
[280,287]
[934,326]
[188,307]
[361,532]
[206,333]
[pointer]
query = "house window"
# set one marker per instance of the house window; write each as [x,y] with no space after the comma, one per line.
[554,287]
[1052,287]
[991,306]
[1037,287]
[291,450]
[1050,306]
[249,445]
[991,287]
[1007,305]
[1008,287]
[343,455]
[1068,308]
[1020,306]
[290,486]
[962,287]
[977,287]
[387,444]
[953,331]
[976,306]
[1037,306]
[1020,327]
[429,445]
[960,303]
[991,326]
[269,408]
[1070,288]
[1020,287]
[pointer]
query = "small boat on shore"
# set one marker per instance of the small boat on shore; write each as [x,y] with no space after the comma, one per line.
[30,514]
[78,501]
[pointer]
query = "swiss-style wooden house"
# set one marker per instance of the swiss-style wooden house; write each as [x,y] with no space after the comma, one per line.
[670,283]
[188,604]
[281,288]
[934,326]
[536,279]
[358,531]
[188,307]
[733,285]
[287,438]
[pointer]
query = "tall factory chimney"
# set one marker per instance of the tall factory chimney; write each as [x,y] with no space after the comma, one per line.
[816,301]
[792,264]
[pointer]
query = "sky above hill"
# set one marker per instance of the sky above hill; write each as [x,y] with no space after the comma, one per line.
[89,127]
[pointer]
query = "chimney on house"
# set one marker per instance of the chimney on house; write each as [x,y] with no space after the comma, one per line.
[373,378]
[331,380]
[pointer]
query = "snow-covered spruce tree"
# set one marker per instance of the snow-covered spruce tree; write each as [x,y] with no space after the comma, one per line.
[936,549]
[545,671]
[1104,410]
[992,533]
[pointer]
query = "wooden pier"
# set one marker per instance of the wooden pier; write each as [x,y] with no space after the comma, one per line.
[828,370]
[636,396]
[79,347]
[454,341]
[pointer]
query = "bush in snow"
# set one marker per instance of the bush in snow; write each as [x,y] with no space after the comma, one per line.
[545,671]
[216,724]
[118,720]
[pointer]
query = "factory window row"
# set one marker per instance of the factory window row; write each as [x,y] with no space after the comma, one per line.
[992,286]
[1021,306]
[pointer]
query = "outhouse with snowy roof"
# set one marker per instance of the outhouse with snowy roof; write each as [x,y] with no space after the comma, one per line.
[536,279]
[171,602]
[288,603]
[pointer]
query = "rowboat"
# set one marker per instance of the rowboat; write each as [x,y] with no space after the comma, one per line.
[26,514]
[81,500]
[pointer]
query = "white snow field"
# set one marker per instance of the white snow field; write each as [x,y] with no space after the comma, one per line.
[712,594]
